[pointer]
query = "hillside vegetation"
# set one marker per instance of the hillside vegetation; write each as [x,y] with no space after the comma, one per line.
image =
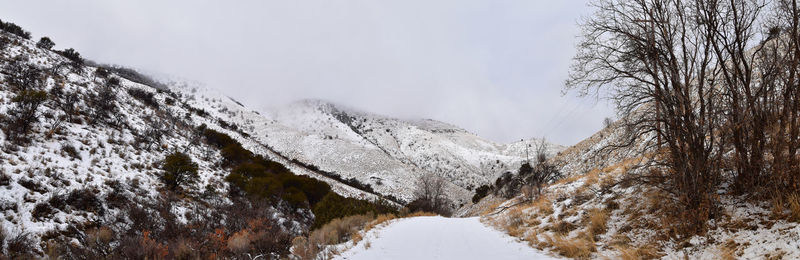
[703,162]
[102,162]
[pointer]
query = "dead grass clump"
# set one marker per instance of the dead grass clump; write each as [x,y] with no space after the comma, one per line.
[533,221]
[579,248]
[778,207]
[569,179]
[607,181]
[382,218]
[356,237]
[794,206]
[544,206]
[239,242]
[303,249]
[598,219]
[612,204]
[740,224]
[727,251]
[563,227]
[627,253]
[421,214]
[630,253]
[339,229]
[533,239]
[491,207]
[590,179]
[570,212]
[514,217]
[515,231]
[334,232]
[620,240]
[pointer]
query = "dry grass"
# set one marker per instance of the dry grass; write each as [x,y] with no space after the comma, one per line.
[239,242]
[340,230]
[533,221]
[356,237]
[420,214]
[332,233]
[543,206]
[794,207]
[383,218]
[598,220]
[533,239]
[579,248]
[777,207]
[630,253]
[727,251]
[590,179]
[627,253]
[491,208]
[562,227]
[513,222]
[568,180]
[619,240]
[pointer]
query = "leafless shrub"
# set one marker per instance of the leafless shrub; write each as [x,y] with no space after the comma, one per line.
[543,171]
[5,179]
[70,150]
[2,239]
[21,246]
[725,86]
[431,195]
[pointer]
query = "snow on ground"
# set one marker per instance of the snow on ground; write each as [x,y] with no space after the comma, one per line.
[439,238]
[386,153]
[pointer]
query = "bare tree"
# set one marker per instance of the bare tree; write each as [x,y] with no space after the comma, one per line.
[779,67]
[22,75]
[541,173]
[655,62]
[431,195]
[735,42]
[694,80]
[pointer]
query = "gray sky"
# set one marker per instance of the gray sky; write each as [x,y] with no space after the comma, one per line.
[493,67]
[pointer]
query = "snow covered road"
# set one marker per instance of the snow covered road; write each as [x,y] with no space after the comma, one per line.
[439,238]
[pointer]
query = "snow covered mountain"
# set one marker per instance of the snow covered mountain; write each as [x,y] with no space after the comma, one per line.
[84,147]
[385,153]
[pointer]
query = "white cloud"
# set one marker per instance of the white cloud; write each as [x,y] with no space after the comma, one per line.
[493,67]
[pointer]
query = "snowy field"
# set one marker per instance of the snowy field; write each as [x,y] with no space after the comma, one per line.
[439,238]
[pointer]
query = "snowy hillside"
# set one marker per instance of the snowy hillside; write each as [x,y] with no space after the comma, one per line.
[90,152]
[84,149]
[598,210]
[387,153]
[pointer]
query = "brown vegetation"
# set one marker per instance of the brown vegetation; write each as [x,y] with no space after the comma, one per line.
[723,98]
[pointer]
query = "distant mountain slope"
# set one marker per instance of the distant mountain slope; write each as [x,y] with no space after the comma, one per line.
[385,153]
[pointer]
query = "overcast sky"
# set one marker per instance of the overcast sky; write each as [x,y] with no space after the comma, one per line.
[493,67]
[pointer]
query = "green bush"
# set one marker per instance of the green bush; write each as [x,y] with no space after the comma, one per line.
[294,196]
[234,154]
[72,55]
[334,206]
[257,177]
[45,43]
[217,139]
[24,114]
[480,193]
[178,170]
[148,98]
[15,29]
